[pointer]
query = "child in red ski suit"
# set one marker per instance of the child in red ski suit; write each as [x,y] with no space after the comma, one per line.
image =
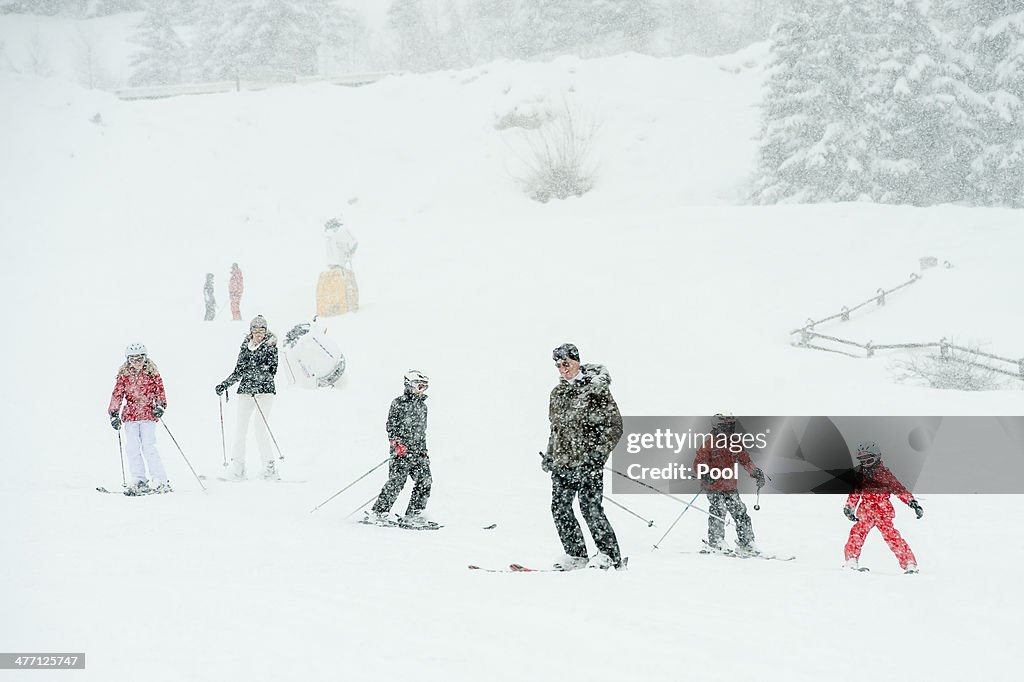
[873,484]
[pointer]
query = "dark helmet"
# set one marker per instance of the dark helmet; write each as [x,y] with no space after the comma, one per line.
[723,423]
[868,453]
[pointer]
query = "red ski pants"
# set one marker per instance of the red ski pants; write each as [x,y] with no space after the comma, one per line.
[236,313]
[892,537]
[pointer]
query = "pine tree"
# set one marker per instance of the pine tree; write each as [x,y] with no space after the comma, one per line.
[418,41]
[999,75]
[163,57]
[815,137]
[263,39]
[923,112]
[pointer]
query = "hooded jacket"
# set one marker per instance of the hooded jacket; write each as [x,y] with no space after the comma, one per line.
[585,420]
[407,422]
[255,368]
[139,391]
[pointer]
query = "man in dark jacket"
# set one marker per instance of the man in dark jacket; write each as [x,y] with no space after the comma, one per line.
[585,426]
[254,371]
[407,436]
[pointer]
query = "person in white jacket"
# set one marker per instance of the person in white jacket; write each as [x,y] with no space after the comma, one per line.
[341,244]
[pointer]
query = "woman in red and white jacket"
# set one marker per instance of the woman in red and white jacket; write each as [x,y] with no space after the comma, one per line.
[868,506]
[138,401]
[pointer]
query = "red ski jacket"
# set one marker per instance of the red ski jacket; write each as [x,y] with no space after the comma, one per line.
[722,458]
[871,489]
[139,391]
[235,283]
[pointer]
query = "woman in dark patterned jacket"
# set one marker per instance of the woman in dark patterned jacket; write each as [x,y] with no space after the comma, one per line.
[254,372]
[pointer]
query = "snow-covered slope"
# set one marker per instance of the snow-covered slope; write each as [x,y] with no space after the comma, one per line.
[112,212]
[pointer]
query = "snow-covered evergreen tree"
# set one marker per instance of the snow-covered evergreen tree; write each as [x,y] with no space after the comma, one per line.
[998,43]
[924,115]
[815,138]
[163,57]
[263,39]
[419,40]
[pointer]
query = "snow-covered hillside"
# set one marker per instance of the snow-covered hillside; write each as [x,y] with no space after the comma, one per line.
[112,212]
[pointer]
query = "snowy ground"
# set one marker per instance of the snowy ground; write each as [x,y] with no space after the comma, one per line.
[108,227]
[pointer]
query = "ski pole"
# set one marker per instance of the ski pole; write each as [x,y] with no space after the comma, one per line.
[724,520]
[280,455]
[360,507]
[685,509]
[757,501]
[223,443]
[650,524]
[383,462]
[199,480]
[120,452]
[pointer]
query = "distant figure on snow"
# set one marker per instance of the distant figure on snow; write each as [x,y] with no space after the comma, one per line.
[407,437]
[235,292]
[585,426]
[208,298]
[873,483]
[254,371]
[337,292]
[138,402]
[723,495]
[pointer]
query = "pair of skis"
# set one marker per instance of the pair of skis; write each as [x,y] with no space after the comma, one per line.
[516,568]
[730,552]
[399,522]
[101,489]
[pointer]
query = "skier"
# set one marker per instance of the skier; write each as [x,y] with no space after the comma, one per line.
[407,436]
[254,371]
[722,492]
[211,302]
[138,401]
[341,245]
[235,292]
[873,483]
[585,426]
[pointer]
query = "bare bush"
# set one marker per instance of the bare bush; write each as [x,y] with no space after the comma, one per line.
[559,160]
[958,370]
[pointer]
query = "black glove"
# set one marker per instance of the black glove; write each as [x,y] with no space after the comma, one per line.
[545,462]
[916,506]
[849,514]
[220,388]
[115,421]
[759,477]
[158,410]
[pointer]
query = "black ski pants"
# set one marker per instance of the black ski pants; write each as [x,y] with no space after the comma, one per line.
[566,485]
[719,504]
[402,468]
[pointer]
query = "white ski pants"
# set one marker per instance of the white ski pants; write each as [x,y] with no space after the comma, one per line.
[141,453]
[247,412]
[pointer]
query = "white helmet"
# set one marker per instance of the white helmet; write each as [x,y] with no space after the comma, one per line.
[135,349]
[416,378]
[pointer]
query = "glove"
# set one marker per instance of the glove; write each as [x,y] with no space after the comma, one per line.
[220,388]
[849,514]
[158,410]
[398,449]
[916,506]
[115,421]
[545,462]
[759,477]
